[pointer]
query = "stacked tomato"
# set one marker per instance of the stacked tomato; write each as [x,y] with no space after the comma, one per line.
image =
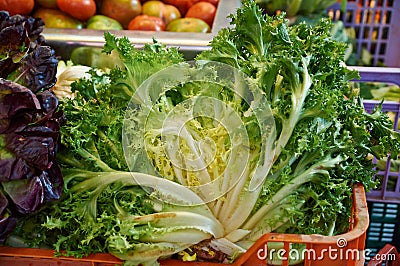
[153,15]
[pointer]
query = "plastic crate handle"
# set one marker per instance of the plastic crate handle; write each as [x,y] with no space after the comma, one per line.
[378,74]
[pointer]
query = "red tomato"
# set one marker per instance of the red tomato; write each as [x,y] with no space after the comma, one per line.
[121,10]
[182,5]
[161,10]
[202,10]
[79,9]
[22,7]
[214,2]
[146,22]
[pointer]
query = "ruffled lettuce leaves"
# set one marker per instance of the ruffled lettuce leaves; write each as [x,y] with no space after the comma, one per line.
[29,121]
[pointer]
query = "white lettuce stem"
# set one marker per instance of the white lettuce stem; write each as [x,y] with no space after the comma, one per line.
[314,170]
[298,98]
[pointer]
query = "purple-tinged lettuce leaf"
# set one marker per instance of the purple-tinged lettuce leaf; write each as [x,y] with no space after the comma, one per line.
[29,121]
[4,17]
[14,169]
[34,26]
[3,203]
[14,99]
[6,67]
[38,151]
[7,225]
[17,35]
[48,102]
[38,70]
[52,183]
[14,43]
[26,194]
[24,55]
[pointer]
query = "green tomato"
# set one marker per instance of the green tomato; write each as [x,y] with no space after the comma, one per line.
[101,22]
[188,25]
[54,18]
[94,57]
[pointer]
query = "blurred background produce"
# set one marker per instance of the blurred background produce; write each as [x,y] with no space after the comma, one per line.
[14,7]
[55,18]
[145,15]
[311,11]
[296,7]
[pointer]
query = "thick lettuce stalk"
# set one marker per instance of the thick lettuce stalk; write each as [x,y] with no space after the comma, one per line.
[320,122]
[162,229]
[206,131]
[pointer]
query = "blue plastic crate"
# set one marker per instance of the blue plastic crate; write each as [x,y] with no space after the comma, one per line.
[384,227]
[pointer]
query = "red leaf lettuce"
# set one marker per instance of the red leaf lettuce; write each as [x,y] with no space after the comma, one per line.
[29,121]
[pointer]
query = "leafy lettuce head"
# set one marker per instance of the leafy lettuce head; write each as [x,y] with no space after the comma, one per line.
[29,121]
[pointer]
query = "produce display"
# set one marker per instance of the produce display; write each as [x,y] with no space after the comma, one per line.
[147,15]
[380,91]
[161,158]
[297,7]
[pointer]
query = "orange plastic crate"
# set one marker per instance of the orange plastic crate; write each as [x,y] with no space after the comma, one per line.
[346,249]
